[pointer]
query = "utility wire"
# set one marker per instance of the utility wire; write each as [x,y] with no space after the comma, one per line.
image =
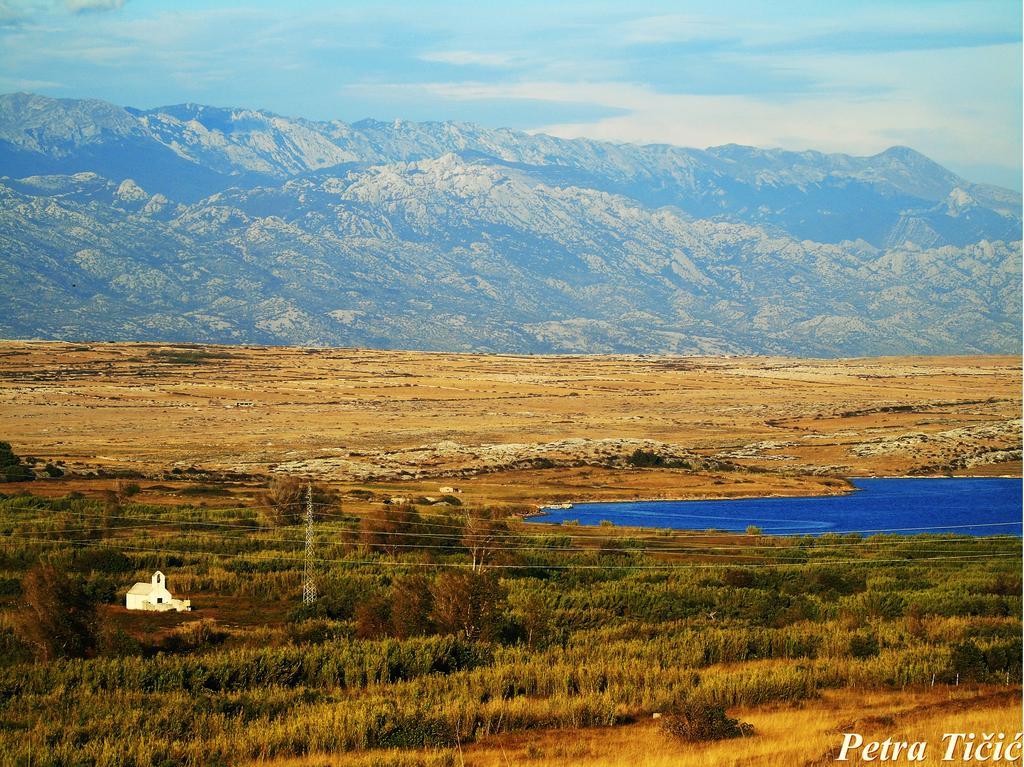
[500,538]
[535,566]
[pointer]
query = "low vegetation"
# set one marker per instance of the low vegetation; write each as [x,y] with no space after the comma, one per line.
[443,627]
[11,467]
[697,721]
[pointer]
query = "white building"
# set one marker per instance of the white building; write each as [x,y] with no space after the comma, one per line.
[154,596]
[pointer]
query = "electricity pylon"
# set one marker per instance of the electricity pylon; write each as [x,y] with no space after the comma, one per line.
[308,581]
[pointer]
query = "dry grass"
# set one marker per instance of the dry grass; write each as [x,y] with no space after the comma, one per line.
[134,406]
[785,736]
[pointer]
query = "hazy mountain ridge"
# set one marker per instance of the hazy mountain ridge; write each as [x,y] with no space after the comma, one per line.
[450,236]
[196,150]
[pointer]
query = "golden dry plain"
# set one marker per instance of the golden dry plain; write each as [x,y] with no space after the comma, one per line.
[910,715]
[404,419]
[201,429]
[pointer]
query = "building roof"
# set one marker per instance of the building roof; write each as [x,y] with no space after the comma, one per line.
[142,589]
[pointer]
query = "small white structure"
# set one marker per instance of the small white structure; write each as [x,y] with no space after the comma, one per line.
[448,490]
[155,596]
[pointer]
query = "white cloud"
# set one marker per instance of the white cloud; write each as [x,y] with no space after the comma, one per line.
[81,6]
[20,84]
[707,120]
[861,105]
[470,58]
[674,28]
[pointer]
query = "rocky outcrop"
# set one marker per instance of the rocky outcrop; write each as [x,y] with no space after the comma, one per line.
[191,223]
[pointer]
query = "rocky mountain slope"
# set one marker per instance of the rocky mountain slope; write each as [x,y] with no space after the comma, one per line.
[204,224]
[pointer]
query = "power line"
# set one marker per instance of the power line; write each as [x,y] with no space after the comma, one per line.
[527,537]
[737,551]
[739,546]
[536,566]
[683,534]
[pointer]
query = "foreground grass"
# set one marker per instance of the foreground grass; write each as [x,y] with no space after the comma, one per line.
[808,733]
[580,647]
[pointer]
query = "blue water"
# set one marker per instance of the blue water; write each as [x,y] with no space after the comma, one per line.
[964,505]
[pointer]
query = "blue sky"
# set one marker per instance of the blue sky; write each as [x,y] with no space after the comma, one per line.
[941,76]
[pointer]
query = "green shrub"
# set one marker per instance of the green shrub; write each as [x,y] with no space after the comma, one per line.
[968,661]
[11,467]
[863,645]
[697,722]
[645,459]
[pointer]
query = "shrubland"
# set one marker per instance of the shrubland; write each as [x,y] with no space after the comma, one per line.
[434,629]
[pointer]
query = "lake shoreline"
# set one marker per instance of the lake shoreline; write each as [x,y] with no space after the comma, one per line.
[544,509]
[879,504]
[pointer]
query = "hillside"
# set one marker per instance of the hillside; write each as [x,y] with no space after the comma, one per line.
[193,223]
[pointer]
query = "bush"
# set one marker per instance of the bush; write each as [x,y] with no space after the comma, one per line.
[194,635]
[738,579]
[645,459]
[107,560]
[117,643]
[968,661]
[11,467]
[697,722]
[126,489]
[863,645]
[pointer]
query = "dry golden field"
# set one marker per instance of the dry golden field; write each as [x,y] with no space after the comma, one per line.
[406,420]
[200,430]
[808,734]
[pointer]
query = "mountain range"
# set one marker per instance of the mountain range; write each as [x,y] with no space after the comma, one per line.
[200,224]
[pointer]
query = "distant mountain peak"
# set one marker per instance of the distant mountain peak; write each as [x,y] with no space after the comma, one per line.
[192,222]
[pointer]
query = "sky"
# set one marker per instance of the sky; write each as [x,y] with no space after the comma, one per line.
[941,76]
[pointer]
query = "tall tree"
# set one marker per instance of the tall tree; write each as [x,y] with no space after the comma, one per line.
[467,603]
[285,500]
[538,621]
[394,531]
[410,606]
[58,619]
[483,536]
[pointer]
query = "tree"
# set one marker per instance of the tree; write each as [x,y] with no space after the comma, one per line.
[373,617]
[11,467]
[538,621]
[391,531]
[410,606]
[483,536]
[111,512]
[968,661]
[467,603]
[285,500]
[395,530]
[126,489]
[58,619]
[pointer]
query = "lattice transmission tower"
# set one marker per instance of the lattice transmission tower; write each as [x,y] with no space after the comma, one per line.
[308,579]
